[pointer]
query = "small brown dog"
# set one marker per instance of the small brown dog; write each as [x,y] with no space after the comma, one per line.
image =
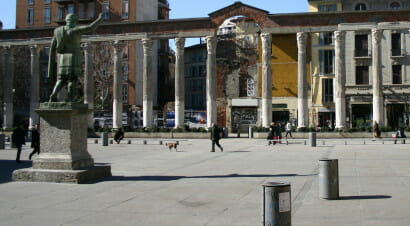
[172,145]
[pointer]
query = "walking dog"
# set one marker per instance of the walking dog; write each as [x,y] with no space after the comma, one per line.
[172,145]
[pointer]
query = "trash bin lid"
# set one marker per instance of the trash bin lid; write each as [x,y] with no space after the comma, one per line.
[276,184]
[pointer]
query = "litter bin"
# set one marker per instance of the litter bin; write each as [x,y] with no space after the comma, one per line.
[104,139]
[328,179]
[276,204]
[2,141]
[312,139]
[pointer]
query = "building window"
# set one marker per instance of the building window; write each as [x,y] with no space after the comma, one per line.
[125,93]
[61,13]
[81,10]
[326,38]
[71,9]
[362,75]
[360,7]
[396,44]
[327,8]
[30,2]
[361,45]
[124,52]
[125,7]
[125,71]
[396,74]
[326,61]
[395,5]
[327,90]
[47,1]
[106,10]
[30,16]
[47,15]
[90,10]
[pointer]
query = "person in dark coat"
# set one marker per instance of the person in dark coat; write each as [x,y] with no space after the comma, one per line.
[215,137]
[278,133]
[35,141]
[271,134]
[18,138]
[119,135]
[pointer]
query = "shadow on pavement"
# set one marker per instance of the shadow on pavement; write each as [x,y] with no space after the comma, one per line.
[170,178]
[358,197]
[8,166]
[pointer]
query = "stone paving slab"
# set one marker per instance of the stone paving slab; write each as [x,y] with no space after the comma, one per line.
[153,186]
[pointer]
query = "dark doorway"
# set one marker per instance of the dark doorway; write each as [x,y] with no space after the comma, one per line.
[280,116]
[395,115]
[327,119]
[361,115]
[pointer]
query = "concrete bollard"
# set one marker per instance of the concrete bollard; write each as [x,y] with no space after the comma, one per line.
[312,139]
[104,139]
[2,141]
[160,142]
[95,141]
[250,132]
[129,141]
[328,179]
[144,142]
[276,204]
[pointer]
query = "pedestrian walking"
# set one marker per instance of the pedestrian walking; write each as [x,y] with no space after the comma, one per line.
[288,128]
[278,133]
[270,136]
[119,135]
[18,139]
[376,130]
[215,137]
[272,128]
[35,141]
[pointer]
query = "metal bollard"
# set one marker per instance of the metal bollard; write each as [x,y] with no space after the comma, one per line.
[395,141]
[345,142]
[328,179]
[276,204]
[250,132]
[304,142]
[177,142]
[144,141]
[160,142]
[312,139]
[403,141]
[2,141]
[95,141]
[364,141]
[129,141]
[287,142]
[323,142]
[104,139]
[111,141]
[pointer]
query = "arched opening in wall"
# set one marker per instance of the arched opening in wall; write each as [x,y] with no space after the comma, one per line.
[395,5]
[237,55]
[360,7]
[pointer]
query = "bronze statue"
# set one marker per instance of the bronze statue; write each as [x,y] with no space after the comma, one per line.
[66,42]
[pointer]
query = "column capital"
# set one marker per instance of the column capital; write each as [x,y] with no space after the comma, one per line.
[117,46]
[86,46]
[377,34]
[340,35]
[266,36]
[34,50]
[211,42]
[301,38]
[147,44]
[179,43]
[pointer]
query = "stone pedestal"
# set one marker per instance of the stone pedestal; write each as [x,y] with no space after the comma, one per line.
[64,157]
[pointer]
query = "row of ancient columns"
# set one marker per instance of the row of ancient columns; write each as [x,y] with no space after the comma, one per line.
[339,94]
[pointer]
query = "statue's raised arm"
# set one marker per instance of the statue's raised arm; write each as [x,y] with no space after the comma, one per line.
[91,27]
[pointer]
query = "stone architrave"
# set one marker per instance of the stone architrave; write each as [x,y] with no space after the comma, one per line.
[266,79]
[147,86]
[179,83]
[88,81]
[340,99]
[117,99]
[8,87]
[64,157]
[302,81]
[35,85]
[378,115]
[211,42]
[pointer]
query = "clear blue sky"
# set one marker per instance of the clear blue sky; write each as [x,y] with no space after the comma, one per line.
[183,8]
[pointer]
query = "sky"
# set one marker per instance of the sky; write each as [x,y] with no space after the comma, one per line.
[183,8]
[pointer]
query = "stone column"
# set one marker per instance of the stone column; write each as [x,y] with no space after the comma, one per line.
[339,95]
[377,78]
[88,81]
[34,85]
[8,87]
[117,88]
[179,82]
[303,112]
[211,114]
[147,87]
[266,79]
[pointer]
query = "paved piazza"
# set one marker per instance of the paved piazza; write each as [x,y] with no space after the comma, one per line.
[153,186]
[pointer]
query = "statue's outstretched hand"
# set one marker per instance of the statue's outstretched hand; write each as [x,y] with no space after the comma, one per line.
[100,16]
